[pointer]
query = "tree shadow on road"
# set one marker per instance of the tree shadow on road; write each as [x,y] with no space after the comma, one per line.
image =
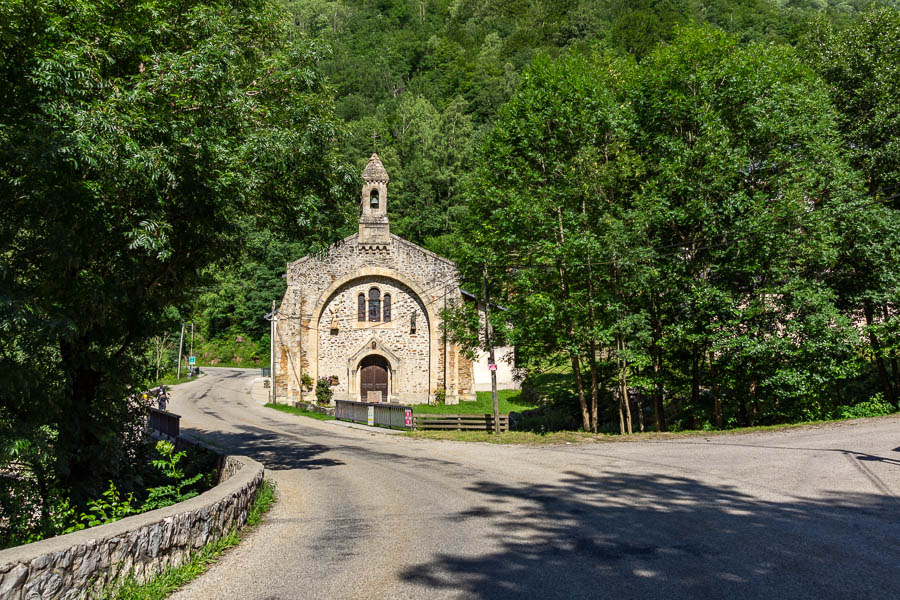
[280,451]
[628,536]
[276,452]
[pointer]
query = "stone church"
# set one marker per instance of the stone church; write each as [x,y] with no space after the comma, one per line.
[366,315]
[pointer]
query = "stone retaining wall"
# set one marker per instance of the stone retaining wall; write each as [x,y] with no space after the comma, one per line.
[80,564]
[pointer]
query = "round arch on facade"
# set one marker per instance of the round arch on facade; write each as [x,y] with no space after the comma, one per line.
[325,296]
[373,347]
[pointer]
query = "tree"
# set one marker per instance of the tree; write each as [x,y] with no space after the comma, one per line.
[527,204]
[134,135]
[161,345]
[672,223]
[745,182]
[861,66]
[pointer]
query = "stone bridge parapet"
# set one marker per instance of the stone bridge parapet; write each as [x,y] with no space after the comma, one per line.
[81,564]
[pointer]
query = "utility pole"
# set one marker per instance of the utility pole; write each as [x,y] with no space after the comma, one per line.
[272,356]
[492,366]
[180,342]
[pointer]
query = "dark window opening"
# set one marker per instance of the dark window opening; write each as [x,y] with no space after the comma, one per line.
[374,305]
[361,308]
[386,311]
[373,200]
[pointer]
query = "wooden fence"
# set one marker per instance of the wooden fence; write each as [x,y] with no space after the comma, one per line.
[465,422]
[404,417]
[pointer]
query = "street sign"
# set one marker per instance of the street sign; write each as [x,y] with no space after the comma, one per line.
[492,367]
[407,417]
[370,417]
[192,360]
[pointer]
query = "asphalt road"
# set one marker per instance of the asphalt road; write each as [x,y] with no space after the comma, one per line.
[807,513]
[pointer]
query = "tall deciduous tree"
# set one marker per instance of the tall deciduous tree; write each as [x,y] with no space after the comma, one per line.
[861,66]
[673,223]
[133,136]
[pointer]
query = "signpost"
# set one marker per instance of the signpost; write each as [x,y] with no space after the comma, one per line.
[192,360]
[407,417]
[492,366]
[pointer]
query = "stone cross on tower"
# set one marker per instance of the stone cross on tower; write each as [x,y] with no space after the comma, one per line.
[373,221]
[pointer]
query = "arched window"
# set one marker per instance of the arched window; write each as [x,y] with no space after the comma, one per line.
[374,305]
[387,308]
[373,200]
[361,308]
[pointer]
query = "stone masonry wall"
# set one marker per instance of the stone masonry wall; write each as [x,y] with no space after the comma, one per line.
[316,284]
[336,345]
[81,564]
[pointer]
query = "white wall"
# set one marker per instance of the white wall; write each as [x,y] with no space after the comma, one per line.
[505,379]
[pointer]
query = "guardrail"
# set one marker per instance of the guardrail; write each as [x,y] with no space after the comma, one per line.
[164,422]
[396,416]
[466,422]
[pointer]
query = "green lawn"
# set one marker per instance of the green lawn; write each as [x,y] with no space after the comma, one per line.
[235,365]
[170,380]
[508,400]
[299,411]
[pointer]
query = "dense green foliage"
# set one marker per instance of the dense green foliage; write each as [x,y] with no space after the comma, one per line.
[691,206]
[428,77]
[861,66]
[689,229]
[162,478]
[135,137]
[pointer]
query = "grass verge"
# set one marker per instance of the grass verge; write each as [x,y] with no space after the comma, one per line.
[227,364]
[287,408]
[508,437]
[170,380]
[580,437]
[509,400]
[173,578]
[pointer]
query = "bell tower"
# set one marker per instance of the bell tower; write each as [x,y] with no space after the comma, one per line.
[374,228]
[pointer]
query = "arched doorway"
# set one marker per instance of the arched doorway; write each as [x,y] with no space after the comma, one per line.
[373,377]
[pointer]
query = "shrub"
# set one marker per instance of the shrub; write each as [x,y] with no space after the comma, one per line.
[440,396]
[174,491]
[306,380]
[876,406]
[324,391]
[111,506]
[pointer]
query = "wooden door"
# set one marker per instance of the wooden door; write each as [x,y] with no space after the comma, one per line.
[373,377]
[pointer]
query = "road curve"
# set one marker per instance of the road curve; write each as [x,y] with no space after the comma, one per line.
[808,513]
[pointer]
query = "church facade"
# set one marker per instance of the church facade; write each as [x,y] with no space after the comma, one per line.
[366,315]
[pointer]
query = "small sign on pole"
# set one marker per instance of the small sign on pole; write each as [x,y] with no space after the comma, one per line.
[370,420]
[492,367]
[407,417]
[192,360]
